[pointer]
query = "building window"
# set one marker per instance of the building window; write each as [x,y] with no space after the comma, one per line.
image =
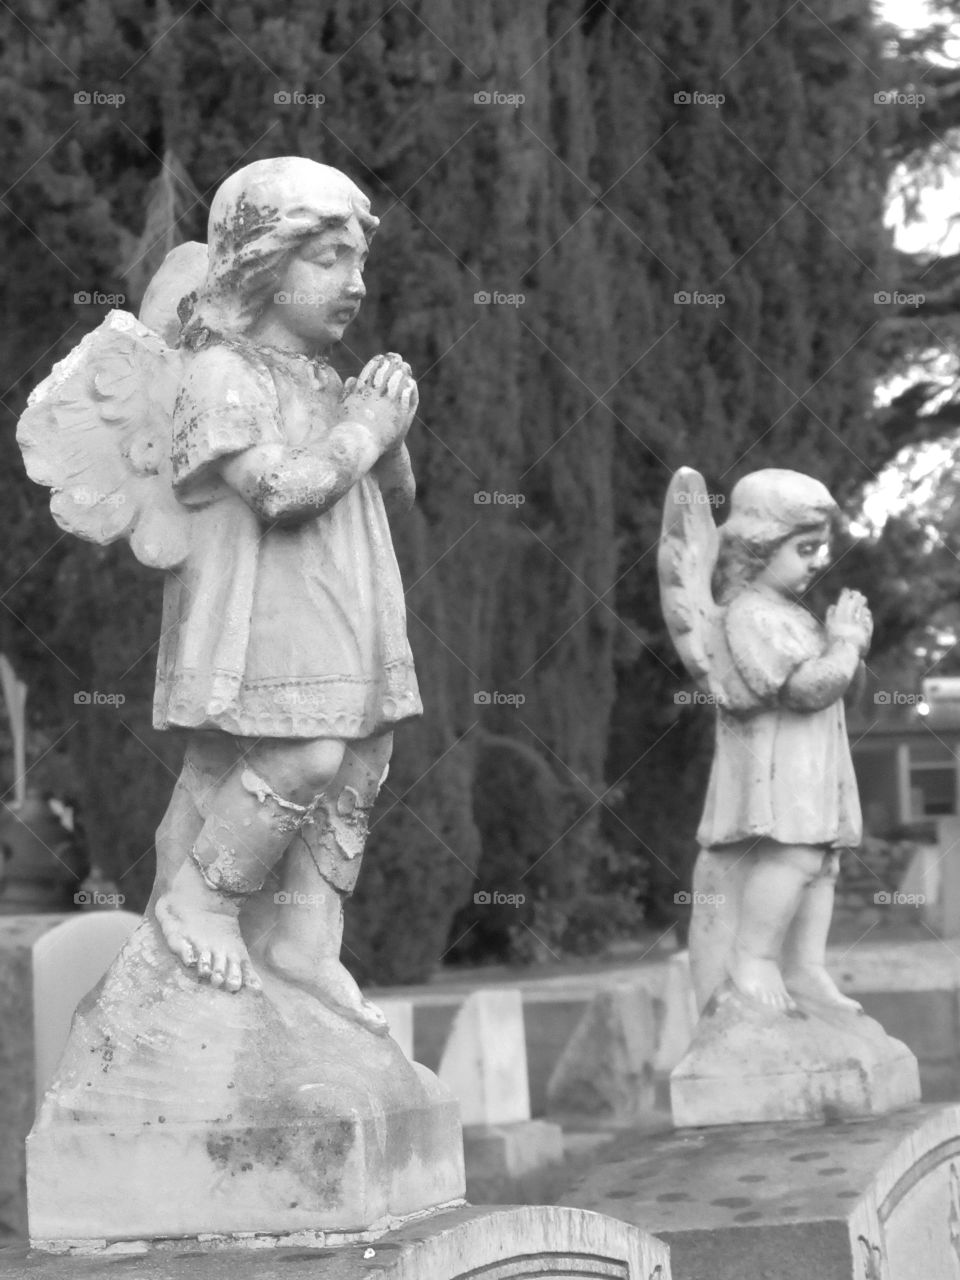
[933,780]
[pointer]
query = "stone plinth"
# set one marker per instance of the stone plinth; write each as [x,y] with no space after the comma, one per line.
[750,1064]
[181,1110]
[868,1199]
[492,1243]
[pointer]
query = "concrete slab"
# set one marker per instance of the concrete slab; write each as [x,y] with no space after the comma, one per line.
[494,1241]
[856,1200]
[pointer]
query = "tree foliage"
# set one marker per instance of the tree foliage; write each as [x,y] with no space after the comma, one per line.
[597,201]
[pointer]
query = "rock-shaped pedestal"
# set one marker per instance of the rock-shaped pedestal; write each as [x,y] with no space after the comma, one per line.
[183,1110]
[818,1062]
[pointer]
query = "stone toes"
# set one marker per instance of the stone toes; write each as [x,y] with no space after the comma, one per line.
[205,964]
[251,978]
[234,976]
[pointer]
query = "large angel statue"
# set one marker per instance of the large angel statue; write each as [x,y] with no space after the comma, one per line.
[214,436]
[782,797]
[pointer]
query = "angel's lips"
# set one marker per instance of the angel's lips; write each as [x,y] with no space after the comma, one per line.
[343,315]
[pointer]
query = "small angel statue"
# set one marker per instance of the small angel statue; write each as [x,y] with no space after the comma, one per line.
[214,436]
[782,797]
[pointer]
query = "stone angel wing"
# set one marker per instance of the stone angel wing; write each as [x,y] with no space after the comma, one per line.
[97,432]
[686,558]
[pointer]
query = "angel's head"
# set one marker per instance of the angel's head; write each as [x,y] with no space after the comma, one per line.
[777,533]
[287,243]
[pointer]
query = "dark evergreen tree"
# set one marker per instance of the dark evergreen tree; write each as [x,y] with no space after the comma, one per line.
[598,199]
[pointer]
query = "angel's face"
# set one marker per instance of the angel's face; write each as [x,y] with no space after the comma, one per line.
[322,288]
[795,563]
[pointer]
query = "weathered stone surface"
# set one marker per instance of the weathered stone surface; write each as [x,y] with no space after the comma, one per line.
[484,1062]
[856,1200]
[180,1109]
[493,1243]
[606,1069]
[752,1064]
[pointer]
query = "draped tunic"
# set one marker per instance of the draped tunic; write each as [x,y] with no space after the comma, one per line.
[781,769]
[293,629]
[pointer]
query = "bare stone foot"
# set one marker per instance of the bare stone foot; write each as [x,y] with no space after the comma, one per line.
[761,980]
[200,927]
[329,981]
[812,982]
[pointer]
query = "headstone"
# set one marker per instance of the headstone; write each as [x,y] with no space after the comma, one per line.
[399,1015]
[484,1062]
[69,961]
[865,1199]
[607,1068]
[680,1013]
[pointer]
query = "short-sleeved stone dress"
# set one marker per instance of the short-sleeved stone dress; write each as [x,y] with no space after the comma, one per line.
[289,630]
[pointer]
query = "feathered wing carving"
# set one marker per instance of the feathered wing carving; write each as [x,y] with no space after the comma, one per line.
[686,559]
[97,432]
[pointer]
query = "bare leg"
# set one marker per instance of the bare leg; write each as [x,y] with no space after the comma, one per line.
[772,891]
[305,946]
[200,927]
[247,828]
[319,872]
[803,966]
[717,888]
